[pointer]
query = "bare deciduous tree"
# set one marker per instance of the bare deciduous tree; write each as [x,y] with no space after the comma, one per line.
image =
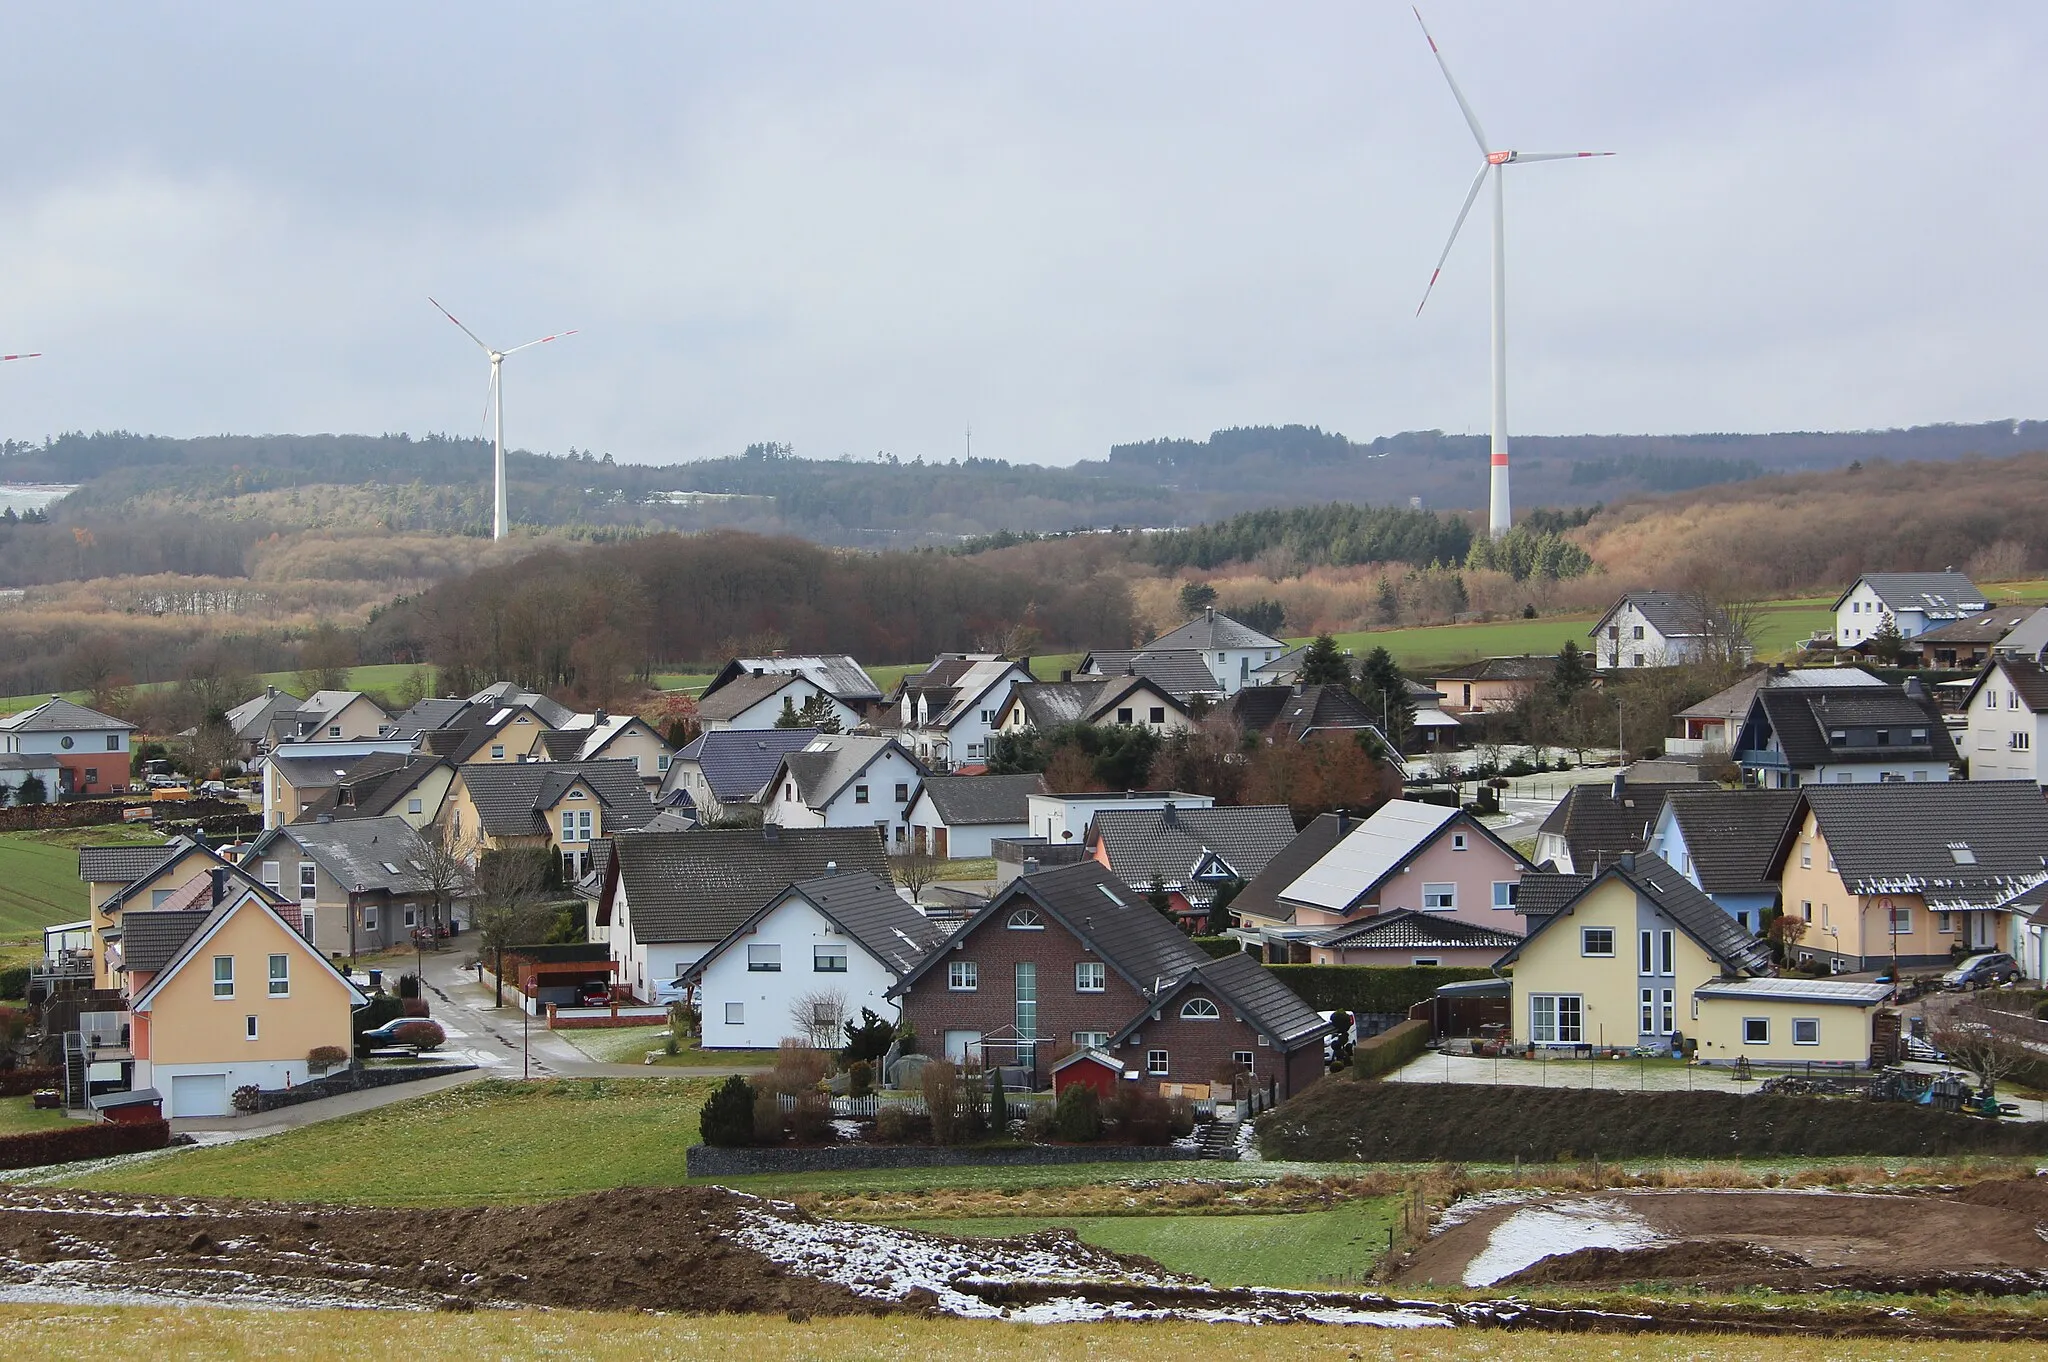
[819,1017]
[447,874]
[1971,1037]
[512,907]
[915,869]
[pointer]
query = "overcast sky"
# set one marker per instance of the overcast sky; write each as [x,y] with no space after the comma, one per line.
[862,227]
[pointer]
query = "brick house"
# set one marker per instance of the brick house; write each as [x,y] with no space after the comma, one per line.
[1071,957]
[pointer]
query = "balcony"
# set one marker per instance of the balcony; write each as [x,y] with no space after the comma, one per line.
[1690,747]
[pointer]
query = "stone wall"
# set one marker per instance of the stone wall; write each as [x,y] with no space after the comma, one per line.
[353,1079]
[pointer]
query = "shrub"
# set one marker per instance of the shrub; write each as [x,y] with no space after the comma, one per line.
[892,1123]
[868,1039]
[1041,1122]
[1140,1114]
[14,982]
[798,1067]
[940,1083]
[420,1035]
[1371,988]
[727,1118]
[68,1144]
[381,1008]
[998,1102]
[321,1058]
[672,1046]
[408,986]
[1390,1049]
[1180,1116]
[245,1097]
[860,1079]
[812,1117]
[767,1116]
[1078,1116]
[414,1007]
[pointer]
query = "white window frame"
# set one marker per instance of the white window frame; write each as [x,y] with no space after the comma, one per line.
[415,805]
[273,876]
[369,917]
[1457,841]
[1091,976]
[1554,1023]
[1813,1030]
[1901,914]
[1092,1040]
[963,976]
[1748,1023]
[1026,920]
[1667,952]
[1200,1009]
[280,979]
[1432,892]
[250,1027]
[827,951]
[735,1014]
[1667,1012]
[1586,935]
[1158,1062]
[309,881]
[223,980]
[1507,894]
[764,958]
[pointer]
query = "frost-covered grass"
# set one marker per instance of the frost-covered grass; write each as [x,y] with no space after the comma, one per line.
[631,1044]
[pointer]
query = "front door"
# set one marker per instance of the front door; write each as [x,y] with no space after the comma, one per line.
[939,843]
[1983,931]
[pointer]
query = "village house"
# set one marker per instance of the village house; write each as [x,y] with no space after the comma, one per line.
[1074,958]
[1665,629]
[1228,647]
[259,722]
[1914,602]
[1181,673]
[484,735]
[669,897]
[2027,640]
[1491,683]
[1257,907]
[836,674]
[1596,823]
[845,781]
[1299,713]
[960,816]
[564,806]
[1063,819]
[946,713]
[331,716]
[1968,643]
[2006,721]
[1916,873]
[1193,856]
[1809,735]
[807,961]
[21,771]
[90,748]
[295,774]
[1113,701]
[408,785]
[362,885]
[125,877]
[725,771]
[1707,727]
[759,700]
[1723,842]
[611,737]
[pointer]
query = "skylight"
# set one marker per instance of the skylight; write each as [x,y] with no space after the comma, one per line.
[1962,854]
[1110,895]
[389,868]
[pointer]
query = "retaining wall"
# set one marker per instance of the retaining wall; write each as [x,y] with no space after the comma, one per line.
[712,1161]
[353,1080]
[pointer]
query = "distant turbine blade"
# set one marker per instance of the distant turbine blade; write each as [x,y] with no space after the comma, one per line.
[1557,155]
[465,330]
[542,341]
[37,355]
[1471,195]
[1471,119]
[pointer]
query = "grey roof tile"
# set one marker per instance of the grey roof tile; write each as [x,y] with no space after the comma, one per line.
[1543,892]
[968,801]
[698,886]
[1732,835]
[1180,672]
[742,693]
[151,937]
[370,854]
[1407,929]
[1802,719]
[1524,668]
[1261,896]
[56,715]
[1168,844]
[837,674]
[1598,827]
[513,799]
[1960,841]
[122,864]
[1212,630]
[738,763]
[1942,595]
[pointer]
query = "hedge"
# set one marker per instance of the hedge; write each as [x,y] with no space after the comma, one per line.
[1371,988]
[72,1143]
[22,1082]
[14,981]
[1218,946]
[1390,1049]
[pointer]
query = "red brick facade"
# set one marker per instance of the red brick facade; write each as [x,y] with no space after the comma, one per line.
[1205,1050]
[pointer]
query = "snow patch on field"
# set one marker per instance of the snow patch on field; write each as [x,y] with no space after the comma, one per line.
[1534,1233]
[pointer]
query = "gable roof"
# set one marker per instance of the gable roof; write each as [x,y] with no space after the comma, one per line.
[1671,894]
[1732,704]
[429,714]
[865,907]
[1801,719]
[956,684]
[1411,929]
[1180,672]
[1210,631]
[971,801]
[1105,914]
[58,715]
[1252,991]
[1939,595]
[1732,835]
[373,786]
[1527,667]
[172,852]
[1671,614]
[1598,826]
[502,695]
[512,799]
[1350,873]
[1960,843]
[837,674]
[1261,896]
[125,864]
[2027,677]
[152,937]
[250,721]
[698,886]
[742,693]
[359,853]
[1048,705]
[214,921]
[832,761]
[1169,844]
[1543,892]
[1300,711]
[738,763]
[1985,626]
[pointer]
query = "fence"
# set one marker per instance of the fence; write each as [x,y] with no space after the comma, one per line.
[591,1018]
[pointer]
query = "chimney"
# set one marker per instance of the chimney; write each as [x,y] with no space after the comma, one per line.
[831,867]
[600,716]
[1343,821]
[220,884]
[1169,816]
[1620,784]
[1066,673]
[770,832]
[776,653]
[1210,613]
[1627,861]
[1031,866]
[1915,690]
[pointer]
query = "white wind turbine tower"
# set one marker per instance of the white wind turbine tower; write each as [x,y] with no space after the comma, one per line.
[1498,516]
[499,523]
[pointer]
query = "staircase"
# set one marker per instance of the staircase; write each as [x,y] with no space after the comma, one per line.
[1217,1140]
[75,1071]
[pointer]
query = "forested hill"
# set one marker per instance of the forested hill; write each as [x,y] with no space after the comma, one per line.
[440,483]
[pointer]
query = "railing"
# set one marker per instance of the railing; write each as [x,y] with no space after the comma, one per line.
[1757,756]
[1694,747]
[63,965]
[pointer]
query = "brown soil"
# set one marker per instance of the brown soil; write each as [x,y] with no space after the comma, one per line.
[667,1249]
[1698,1260]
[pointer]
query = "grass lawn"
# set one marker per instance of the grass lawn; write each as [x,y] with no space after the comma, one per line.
[18,1116]
[630,1044]
[147,1334]
[1782,627]
[974,868]
[496,1140]
[1306,1248]
[39,881]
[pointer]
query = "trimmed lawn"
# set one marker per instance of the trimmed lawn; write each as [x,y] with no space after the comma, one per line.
[1783,626]
[18,1116]
[39,881]
[1304,1248]
[630,1044]
[496,1140]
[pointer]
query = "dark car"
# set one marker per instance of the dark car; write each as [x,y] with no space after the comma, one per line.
[1982,971]
[595,992]
[387,1034]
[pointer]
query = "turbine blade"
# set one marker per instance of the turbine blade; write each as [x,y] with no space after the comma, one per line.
[37,355]
[483,423]
[1471,195]
[465,330]
[542,341]
[1556,155]
[1471,119]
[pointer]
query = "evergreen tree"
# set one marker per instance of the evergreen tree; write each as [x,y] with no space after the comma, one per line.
[1384,692]
[1572,674]
[1324,665]
[32,791]
[1887,643]
[1196,597]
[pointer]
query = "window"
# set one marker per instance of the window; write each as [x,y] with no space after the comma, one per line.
[273,874]
[1457,841]
[1159,714]
[1425,960]
[65,741]
[1667,953]
[1439,898]
[828,959]
[2019,742]
[1756,1030]
[1155,1061]
[414,806]
[1806,855]
[1557,1019]
[1667,1014]
[1884,737]
[1919,735]
[661,761]
[1645,955]
[1092,1040]
[334,730]
[280,976]
[1596,941]
[309,880]
[860,794]
[1200,1009]
[764,959]
[1806,909]
[1649,1019]
[1960,853]
[1635,659]
[412,917]
[1837,737]
[1945,923]
[988,716]
[1806,1030]
[248,1028]
[1241,1058]
[1027,998]
[735,1014]
[1902,921]
[1506,893]
[1123,715]
[497,751]
[369,917]
[1090,976]
[902,792]
[223,976]
[1026,920]
[963,976]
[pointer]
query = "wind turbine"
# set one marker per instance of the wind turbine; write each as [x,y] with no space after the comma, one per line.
[499,525]
[1499,519]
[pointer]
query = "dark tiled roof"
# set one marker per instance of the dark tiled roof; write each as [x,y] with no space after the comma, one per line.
[61,716]
[563,744]
[1180,672]
[737,763]
[1733,835]
[1802,718]
[1669,613]
[123,864]
[836,674]
[698,886]
[1525,668]
[1049,705]
[152,937]
[743,693]
[1407,929]
[1261,897]
[1941,595]
[1258,994]
[1298,713]
[513,799]
[1985,626]
[505,695]
[1211,630]
[1698,916]
[1167,844]
[429,714]
[1599,827]
[1543,892]
[372,787]
[374,853]
[1732,704]
[965,801]
[1960,839]
[865,907]
[820,773]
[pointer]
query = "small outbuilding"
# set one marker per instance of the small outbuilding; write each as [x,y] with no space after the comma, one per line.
[1088,1068]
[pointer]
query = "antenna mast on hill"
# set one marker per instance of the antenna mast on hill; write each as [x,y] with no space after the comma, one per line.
[499,524]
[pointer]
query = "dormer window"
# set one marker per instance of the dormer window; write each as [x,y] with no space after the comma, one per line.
[1961,853]
[1884,737]
[1026,920]
[1919,735]
[1838,737]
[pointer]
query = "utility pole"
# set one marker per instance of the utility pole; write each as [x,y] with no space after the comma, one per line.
[970,441]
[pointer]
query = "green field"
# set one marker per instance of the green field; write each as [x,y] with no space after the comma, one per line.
[495,1140]
[18,1116]
[630,1044]
[1303,1248]
[39,882]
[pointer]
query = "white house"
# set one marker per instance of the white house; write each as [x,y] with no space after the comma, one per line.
[845,781]
[1231,649]
[808,961]
[17,769]
[1064,819]
[1914,601]
[725,771]
[958,816]
[762,699]
[1662,629]
[2007,721]
[948,711]
[91,748]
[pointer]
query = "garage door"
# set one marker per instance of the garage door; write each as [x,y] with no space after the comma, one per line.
[963,1046]
[199,1095]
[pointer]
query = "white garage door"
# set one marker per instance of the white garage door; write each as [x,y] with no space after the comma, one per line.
[199,1095]
[963,1046]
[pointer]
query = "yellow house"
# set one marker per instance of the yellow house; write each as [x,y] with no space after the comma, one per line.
[564,806]
[602,736]
[1785,1021]
[1909,871]
[123,878]
[228,996]
[405,785]
[504,737]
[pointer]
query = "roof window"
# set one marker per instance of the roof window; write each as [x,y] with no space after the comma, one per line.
[1961,853]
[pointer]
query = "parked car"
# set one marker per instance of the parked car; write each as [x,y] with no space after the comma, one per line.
[387,1034]
[217,788]
[1982,971]
[672,992]
[594,992]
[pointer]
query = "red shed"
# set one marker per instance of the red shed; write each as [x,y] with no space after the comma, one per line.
[140,1106]
[1097,1069]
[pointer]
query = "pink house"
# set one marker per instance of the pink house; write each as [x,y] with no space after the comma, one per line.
[1413,884]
